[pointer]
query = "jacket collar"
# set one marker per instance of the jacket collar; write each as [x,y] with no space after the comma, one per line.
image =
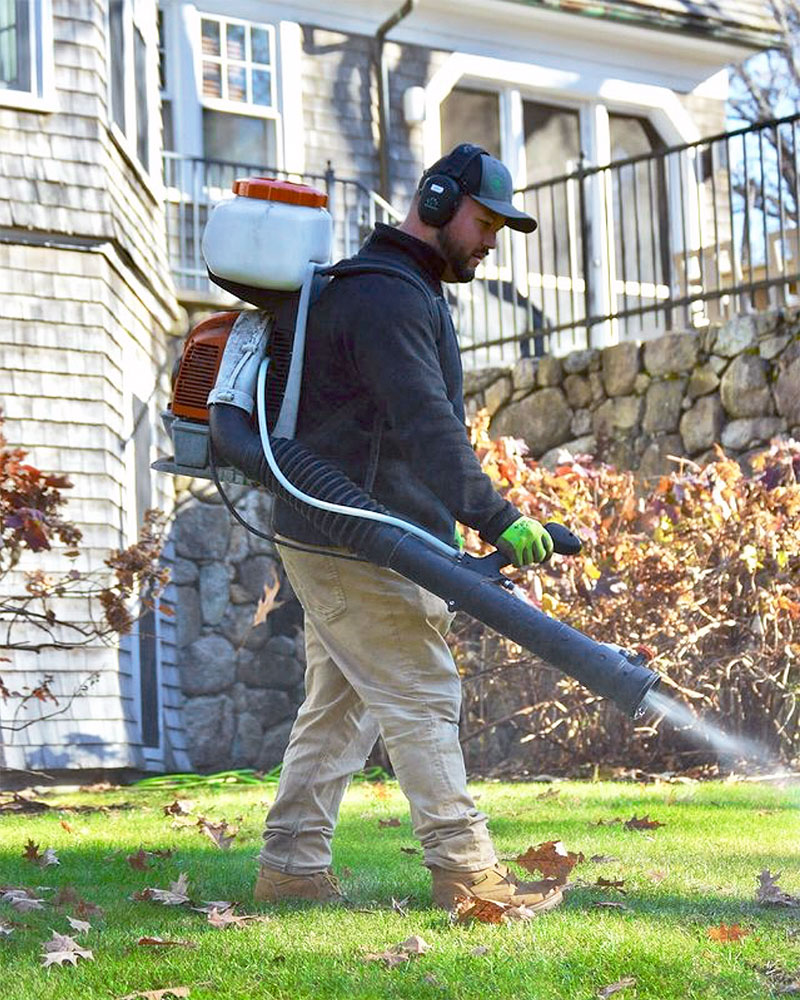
[420,255]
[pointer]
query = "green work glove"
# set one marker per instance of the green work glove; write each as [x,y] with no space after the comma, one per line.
[525,541]
[458,538]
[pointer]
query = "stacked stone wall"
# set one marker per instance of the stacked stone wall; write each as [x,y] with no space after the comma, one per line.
[634,405]
[242,683]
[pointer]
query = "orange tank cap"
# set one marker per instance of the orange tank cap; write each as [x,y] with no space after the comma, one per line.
[288,192]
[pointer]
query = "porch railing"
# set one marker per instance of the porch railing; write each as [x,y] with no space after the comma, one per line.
[671,240]
[193,185]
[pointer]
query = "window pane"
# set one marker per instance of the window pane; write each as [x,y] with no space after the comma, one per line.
[167,130]
[471,116]
[237,83]
[212,80]
[259,39]
[552,140]
[262,87]
[234,41]
[116,40]
[162,52]
[239,138]
[140,79]
[211,46]
[15,54]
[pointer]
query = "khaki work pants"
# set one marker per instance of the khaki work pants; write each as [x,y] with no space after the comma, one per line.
[377,662]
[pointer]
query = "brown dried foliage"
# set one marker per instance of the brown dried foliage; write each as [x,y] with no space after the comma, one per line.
[703,568]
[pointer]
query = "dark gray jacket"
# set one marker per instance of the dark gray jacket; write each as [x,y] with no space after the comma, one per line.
[376,345]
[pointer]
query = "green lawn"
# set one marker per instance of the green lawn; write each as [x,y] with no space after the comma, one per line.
[698,870]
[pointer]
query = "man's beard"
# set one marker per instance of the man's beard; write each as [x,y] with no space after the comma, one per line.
[456,257]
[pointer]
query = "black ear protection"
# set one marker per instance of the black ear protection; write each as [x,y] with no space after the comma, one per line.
[440,194]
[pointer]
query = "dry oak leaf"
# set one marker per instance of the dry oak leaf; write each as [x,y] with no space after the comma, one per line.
[267,602]
[61,949]
[157,942]
[138,860]
[21,899]
[727,932]
[176,895]
[227,918]
[220,833]
[609,883]
[170,991]
[392,821]
[607,905]
[179,807]
[645,823]
[552,859]
[486,911]
[81,926]
[612,988]
[769,892]
[414,945]
[389,958]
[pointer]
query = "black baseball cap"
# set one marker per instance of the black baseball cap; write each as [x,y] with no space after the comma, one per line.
[488,181]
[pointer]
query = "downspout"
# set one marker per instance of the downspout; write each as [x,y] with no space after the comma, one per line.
[382,73]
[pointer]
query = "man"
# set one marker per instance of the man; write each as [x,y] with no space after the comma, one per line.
[382,400]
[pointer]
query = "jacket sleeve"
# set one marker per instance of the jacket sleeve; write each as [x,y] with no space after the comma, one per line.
[392,347]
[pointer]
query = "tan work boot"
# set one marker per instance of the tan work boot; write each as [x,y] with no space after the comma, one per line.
[273,885]
[497,884]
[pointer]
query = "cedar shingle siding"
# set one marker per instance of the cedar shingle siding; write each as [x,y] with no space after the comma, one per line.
[87,304]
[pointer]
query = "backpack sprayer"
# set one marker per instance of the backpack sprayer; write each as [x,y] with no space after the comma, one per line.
[232,418]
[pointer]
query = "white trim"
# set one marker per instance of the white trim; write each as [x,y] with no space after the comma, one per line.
[290,96]
[42,95]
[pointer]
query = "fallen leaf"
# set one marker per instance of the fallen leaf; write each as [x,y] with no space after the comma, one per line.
[414,945]
[485,911]
[138,860]
[176,895]
[61,950]
[48,858]
[552,859]
[220,833]
[603,859]
[612,988]
[389,958]
[31,852]
[157,942]
[66,826]
[5,930]
[267,602]
[480,951]
[727,932]
[392,821]
[410,850]
[21,802]
[170,991]
[645,823]
[227,918]
[81,926]
[607,822]
[769,893]
[179,807]
[21,900]
[608,883]
[551,793]
[607,905]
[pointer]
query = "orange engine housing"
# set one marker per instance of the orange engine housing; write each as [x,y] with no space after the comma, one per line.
[199,364]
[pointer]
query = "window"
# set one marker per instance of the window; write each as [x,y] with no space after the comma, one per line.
[128,79]
[25,53]
[471,116]
[238,91]
[167,130]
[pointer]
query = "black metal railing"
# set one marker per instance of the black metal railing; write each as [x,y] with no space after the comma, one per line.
[193,185]
[674,239]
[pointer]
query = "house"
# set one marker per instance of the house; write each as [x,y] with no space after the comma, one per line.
[103,200]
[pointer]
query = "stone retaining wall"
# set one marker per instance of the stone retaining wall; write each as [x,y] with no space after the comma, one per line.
[242,683]
[633,405]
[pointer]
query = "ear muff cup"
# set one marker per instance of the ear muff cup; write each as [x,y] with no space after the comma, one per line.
[440,194]
[439,198]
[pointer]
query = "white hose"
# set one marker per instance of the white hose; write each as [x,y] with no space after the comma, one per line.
[334,508]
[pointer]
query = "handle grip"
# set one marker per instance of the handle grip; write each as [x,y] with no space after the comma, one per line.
[564,542]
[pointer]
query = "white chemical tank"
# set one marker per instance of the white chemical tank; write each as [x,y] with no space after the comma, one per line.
[267,235]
